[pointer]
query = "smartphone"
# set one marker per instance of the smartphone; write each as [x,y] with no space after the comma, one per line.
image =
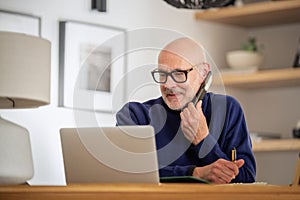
[203,88]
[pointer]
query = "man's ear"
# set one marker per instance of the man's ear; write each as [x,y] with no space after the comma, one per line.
[204,69]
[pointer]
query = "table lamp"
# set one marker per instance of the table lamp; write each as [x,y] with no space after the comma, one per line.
[24,83]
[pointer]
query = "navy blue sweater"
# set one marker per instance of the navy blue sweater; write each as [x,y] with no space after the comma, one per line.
[176,155]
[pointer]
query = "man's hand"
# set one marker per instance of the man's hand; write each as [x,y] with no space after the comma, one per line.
[222,171]
[193,123]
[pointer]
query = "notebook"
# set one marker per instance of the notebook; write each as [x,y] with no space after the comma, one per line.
[123,154]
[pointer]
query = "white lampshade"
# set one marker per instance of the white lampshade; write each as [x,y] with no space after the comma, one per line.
[24,83]
[24,71]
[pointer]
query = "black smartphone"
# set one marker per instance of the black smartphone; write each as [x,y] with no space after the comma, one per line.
[203,88]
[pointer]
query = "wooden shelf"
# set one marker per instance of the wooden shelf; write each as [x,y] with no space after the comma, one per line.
[276,145]
[255,14]
[272,78]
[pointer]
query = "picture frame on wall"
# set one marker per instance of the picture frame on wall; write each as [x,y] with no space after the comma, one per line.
[92,63]
[18,22]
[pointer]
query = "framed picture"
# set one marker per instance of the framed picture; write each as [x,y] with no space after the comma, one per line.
[12,21]
[91,66]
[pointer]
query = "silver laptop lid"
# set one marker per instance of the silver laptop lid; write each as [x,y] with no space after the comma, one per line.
[110,154]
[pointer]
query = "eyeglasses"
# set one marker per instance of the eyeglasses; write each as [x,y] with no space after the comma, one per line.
[179,76]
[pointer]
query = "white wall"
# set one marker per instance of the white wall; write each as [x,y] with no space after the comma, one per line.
[44,123]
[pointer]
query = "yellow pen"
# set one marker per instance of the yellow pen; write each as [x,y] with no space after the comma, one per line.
[233,155]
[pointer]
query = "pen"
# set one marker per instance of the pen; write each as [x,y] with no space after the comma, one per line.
[233,155]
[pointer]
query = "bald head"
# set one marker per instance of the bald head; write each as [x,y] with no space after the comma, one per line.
[185,48]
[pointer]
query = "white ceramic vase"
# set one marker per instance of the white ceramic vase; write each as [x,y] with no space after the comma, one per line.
[244,59]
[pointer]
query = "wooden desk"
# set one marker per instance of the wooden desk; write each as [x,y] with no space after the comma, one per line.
[150,191]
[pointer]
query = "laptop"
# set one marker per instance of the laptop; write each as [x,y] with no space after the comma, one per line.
[123,154]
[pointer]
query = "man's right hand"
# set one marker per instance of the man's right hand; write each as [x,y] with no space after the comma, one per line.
[193,123]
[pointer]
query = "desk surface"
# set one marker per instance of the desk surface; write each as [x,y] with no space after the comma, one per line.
[150,191]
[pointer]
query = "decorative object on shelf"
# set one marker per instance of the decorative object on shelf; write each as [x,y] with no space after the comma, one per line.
[199,4]
[24,83]
[247,58]
[91,64]
[297,57]
[296,130]
[250,45]
[99,5]
[258,136]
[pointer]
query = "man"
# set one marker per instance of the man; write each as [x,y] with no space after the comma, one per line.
[193,140]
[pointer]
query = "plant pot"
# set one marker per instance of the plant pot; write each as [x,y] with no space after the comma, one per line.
[244,59]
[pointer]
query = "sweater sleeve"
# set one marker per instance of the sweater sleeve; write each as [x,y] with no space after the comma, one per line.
[176,170]
[238,135]
[234,135]
[132,114]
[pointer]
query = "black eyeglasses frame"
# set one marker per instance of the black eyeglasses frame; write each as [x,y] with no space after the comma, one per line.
[170,74]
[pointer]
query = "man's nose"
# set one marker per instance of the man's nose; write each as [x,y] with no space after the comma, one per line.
[170,83]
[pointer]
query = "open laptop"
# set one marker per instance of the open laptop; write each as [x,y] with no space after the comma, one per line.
[123,154]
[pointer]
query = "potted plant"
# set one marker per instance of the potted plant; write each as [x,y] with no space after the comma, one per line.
[248,57]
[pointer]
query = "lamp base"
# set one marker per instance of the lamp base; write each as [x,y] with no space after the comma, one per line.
[16,164]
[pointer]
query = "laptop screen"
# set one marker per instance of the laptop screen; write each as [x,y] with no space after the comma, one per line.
[125,154]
